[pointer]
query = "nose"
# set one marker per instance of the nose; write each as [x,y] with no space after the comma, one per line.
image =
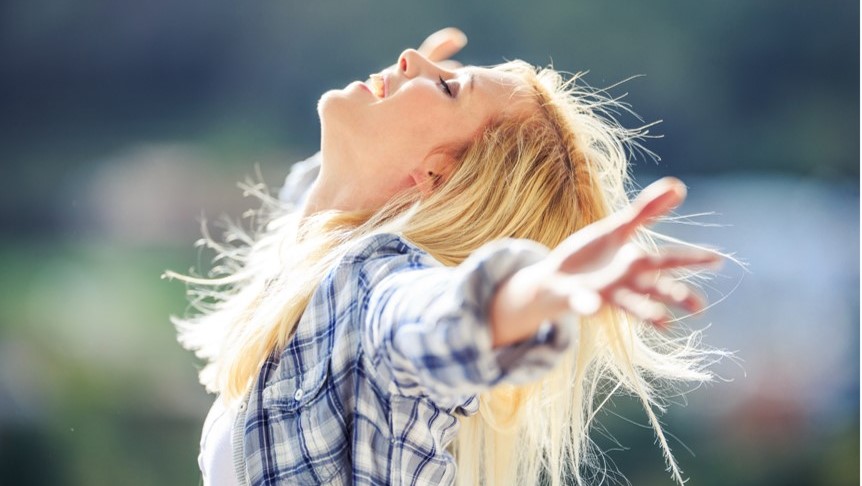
[413,63]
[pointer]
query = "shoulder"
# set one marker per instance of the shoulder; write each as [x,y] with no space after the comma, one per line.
[378,256]
[381,245]
[386,248]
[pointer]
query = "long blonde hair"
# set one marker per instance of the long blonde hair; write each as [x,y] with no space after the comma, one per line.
[542,177]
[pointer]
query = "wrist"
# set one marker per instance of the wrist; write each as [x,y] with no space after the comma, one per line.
[519,306]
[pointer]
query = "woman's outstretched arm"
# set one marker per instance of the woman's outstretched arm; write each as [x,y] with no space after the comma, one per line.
[510,311]
[427,327]
[598,266]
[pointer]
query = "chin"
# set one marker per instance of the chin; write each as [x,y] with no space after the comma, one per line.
[339,113]
[326,99]
[335,104]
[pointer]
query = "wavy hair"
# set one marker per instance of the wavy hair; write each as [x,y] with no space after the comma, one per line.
[542,177]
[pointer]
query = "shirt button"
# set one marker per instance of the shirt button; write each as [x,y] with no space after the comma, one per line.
[298,395]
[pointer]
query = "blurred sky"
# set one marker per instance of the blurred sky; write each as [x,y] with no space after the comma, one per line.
[124,124]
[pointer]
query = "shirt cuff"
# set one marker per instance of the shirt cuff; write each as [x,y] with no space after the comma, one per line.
[529,359]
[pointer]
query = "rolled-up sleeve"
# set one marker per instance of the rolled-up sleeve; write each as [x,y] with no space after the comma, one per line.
[428,331]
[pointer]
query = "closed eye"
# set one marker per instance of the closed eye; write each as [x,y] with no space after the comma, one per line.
[446,88]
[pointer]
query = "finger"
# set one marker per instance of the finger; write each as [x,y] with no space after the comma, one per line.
[449,64]
[673,293]
[639,305]
[656,200]
[677,257]
[584,302]
[594,248]
[443,44]
[609,233]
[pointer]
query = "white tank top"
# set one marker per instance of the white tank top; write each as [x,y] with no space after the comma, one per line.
[216,457]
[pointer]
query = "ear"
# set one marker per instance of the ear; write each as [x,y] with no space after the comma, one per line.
[433,170]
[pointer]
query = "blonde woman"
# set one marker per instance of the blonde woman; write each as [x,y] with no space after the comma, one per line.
[458,291]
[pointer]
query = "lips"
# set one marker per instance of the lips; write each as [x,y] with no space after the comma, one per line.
[365,87]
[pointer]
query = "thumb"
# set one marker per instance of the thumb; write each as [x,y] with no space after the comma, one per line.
[443,44]
[657,199]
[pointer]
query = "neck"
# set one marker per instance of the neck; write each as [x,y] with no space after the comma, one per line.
[331,190]
[322,197]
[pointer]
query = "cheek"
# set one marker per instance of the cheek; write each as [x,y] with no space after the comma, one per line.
[421,106]
[426,124]
[406,128]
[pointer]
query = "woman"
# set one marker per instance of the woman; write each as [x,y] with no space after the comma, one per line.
[461,286]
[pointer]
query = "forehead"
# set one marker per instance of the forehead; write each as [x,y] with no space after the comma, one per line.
[500,91]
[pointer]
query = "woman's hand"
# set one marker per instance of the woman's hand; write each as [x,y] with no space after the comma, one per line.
[442,45]
[598,266]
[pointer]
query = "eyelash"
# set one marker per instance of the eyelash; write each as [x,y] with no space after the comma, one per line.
[446,87]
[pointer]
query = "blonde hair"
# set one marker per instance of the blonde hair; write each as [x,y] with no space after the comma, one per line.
[542,177]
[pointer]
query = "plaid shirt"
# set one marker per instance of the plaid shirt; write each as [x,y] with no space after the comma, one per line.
[391,348]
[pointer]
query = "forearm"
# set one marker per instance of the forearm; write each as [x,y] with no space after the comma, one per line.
[432,328]
[520,306]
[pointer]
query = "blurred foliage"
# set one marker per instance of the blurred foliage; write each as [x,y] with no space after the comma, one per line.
[89,391]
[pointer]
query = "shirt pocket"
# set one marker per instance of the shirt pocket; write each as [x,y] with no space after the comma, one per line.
[309,432]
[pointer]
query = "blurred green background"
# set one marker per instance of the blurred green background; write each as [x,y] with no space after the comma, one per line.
[123,123]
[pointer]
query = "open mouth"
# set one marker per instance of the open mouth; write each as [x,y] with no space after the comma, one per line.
[377,85]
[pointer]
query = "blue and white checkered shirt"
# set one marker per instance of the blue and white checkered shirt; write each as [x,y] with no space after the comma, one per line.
[391,348]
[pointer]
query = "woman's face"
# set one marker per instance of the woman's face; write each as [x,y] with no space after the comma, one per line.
[387,133]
